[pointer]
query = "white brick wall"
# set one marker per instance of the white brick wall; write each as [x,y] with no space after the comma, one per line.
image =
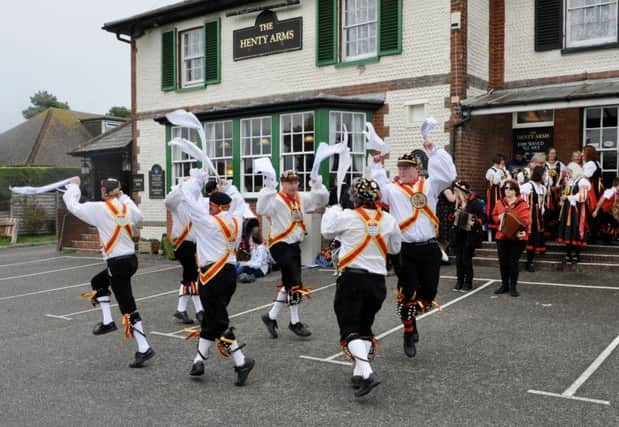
[521,60]
[425,41]
[478,38]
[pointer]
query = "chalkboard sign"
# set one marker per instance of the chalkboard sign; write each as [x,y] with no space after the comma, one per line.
[532,140]
[156,182]
[268,36]
[138,182]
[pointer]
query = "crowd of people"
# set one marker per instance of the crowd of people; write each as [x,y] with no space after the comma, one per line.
[405,222]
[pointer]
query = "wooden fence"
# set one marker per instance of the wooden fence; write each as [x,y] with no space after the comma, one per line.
[35,214]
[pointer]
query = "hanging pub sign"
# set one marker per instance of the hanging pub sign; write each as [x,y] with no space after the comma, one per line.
[268,36]
[156,183]
[532,140]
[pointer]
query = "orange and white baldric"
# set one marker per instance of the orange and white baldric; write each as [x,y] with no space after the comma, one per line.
[412,192]
[372,234]
[121,219]
[181,237]
[294,206]
[231,238]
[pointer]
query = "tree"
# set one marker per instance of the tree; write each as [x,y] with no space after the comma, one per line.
[42,100]
[117,111]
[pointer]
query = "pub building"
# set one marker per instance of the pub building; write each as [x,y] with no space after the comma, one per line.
[276,78]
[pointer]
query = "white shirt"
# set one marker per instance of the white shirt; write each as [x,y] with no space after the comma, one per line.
[211,243]
[496,175]
[556,180]
[175,202]
[273,205]
[583,187]
[349,229]
[589,168]
[527,188]
[260,258]
[441,171]
[98,215]
[609,194]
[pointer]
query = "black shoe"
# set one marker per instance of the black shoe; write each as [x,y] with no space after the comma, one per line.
[200,316]
[183,317]
[356,381]
[367,385]
[299,329]
[101,329]
[197,369]
[140,358]
[467,287]
[513,292]
[530,267]
[243,371]
[409,344]
[576,259]
[457,287]
[502,290]
[567,259]
[271,325]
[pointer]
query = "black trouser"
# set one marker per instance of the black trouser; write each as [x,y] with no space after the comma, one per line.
[419,270]
[464,262]
[186,254]
[215,296]
[288,258]
[118,276]
[358,297]
[509,255]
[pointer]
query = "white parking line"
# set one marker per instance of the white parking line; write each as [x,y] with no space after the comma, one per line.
[33,261]
[572,389]
[251,310]
[45,291]
[330,359]
[50,271]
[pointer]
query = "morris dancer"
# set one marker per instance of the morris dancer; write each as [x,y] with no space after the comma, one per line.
[495,176]
[534,192]
[609,217]
[556,173]
[592,170]
[114,218]
[285,210]
[367,235]
[573,225]
[185,251]
[217,237]
[412,202]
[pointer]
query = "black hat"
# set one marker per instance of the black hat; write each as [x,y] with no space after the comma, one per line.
[365,191]
[408,159]
[462,185]
[289,176]
[110,184]
[220,199]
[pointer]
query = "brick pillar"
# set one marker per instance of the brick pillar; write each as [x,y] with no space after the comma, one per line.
[497,44]
[458,77]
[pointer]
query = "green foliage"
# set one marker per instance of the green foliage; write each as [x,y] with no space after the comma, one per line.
[167,247]
[118,111]
[42,100]
[32,176]
[29,240]
[34,217]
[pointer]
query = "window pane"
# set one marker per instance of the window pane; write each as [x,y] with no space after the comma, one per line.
[308,122]
[609,160]
[609,138]
[297,143]
[593,118]
[593,137]
[610,117]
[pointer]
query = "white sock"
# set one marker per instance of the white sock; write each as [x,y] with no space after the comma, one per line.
[238,356]
[368,345]
[183,300]
[104,302]
[358,350]
[294,314]
[282,295]
[203,347]
[197,304]
[139,338]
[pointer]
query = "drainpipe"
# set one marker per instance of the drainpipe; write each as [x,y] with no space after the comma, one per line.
[454,129]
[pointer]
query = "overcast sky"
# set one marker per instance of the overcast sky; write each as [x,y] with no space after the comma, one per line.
[59,46]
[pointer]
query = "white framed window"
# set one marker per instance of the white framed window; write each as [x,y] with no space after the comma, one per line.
[590,22]
[297,145]
[256,141]
[533,119]
[359,29]
[416,112]
[181,162]
[600,131]
[192,57]
[219,146]
[355,124]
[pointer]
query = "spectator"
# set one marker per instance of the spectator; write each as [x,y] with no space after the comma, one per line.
[518,163]
[258,265]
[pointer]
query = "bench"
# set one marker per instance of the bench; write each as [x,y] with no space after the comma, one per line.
[8,228]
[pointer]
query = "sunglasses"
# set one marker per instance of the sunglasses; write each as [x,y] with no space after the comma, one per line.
[509,188]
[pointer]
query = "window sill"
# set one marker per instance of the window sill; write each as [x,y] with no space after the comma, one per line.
[190,88]
[568,50]
[372,60]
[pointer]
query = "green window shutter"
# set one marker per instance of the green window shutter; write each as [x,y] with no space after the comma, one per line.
[326,29]
[212,52]
[390,27]
[168,60]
